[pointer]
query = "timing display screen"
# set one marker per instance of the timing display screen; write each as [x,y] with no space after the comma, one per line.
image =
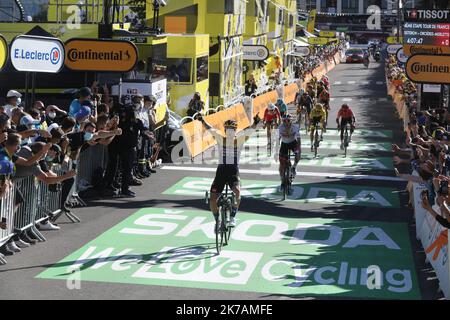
[436,34]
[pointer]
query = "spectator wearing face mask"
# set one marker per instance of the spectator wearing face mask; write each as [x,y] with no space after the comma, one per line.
[13,100]
[54,114]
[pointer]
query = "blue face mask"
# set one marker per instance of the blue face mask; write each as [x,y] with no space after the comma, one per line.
[49,159]
[88,136]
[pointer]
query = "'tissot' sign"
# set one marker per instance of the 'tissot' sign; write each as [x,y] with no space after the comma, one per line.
[37,54]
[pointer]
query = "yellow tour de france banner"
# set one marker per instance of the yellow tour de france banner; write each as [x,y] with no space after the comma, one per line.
[160,115]
[327,34]
[311,21]
[318,41]
[3,51]
[394,40]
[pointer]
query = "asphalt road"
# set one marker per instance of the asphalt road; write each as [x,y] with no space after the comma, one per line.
[155,246]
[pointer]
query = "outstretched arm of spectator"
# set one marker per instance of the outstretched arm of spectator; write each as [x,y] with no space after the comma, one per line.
[408,177]
[107,134]
[33,159]
[49,179]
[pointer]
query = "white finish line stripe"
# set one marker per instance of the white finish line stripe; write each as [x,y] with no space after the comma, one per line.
[299,173]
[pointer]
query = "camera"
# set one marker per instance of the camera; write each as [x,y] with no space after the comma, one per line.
[443,188]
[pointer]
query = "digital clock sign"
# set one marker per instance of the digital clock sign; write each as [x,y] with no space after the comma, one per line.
[425,33]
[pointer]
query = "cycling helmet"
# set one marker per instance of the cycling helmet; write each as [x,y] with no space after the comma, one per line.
[319,106]
[6,167]
[287,118]
[271,107]
[230,124]
[345,106]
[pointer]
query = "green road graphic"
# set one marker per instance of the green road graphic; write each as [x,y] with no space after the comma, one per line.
[330,194]
[267,254]
[254,157]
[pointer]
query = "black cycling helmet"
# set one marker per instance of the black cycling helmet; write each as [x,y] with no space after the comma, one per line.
[287,118]
[230,124]
[345,106]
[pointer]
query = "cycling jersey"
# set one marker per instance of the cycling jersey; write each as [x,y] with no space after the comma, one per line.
[270,116]
[345,114]
[318,113]
[288,137]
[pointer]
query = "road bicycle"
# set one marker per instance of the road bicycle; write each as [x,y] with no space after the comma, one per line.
[303,117]
[316,142]
[288,177]
[346,139]
[225,203]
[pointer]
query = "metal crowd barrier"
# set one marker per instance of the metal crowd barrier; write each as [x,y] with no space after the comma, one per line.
[25,217]
[7,211]
[90,159]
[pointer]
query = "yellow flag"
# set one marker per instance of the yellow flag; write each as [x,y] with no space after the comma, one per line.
[311,21]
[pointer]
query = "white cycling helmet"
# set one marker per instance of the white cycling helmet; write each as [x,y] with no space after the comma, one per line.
[271,106]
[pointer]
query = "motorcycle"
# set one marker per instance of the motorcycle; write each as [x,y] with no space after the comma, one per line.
[366,62]
[377,56]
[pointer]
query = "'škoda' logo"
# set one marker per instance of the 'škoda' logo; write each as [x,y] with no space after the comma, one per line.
[100,55]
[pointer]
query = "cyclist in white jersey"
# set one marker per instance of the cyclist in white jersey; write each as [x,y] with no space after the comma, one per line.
[290,140]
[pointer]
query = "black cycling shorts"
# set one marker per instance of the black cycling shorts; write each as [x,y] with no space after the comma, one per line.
[225,174]
[294,146]
[344,122]
[316,120]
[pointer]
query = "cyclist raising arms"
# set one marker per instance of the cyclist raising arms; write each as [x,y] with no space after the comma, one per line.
[227,172]
[347,116]
[317,115]
[290,140]
[272,118]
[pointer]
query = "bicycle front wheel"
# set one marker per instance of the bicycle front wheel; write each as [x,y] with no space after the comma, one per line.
[219,234]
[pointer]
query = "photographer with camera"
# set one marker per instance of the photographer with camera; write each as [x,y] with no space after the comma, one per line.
[196,105]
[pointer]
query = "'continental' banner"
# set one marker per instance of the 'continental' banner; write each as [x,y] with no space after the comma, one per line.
[422,68]
[411,49]
[311,21]
[100,55]
[3,51]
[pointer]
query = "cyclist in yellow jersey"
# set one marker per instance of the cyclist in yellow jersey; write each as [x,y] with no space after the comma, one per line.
[317,115]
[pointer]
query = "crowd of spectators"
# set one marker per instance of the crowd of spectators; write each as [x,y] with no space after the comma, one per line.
[426,151]
[41,140]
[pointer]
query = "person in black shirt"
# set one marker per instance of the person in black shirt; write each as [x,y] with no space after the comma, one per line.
[250,86]
[123,150]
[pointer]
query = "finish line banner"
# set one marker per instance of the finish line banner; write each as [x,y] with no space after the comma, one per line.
[267,254]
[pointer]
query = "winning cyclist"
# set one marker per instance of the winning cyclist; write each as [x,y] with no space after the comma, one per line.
[317,115]
[227,172]
[272,118]
[347,116]
[290,140]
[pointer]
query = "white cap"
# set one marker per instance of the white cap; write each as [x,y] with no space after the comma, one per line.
[13,93]
[52,126]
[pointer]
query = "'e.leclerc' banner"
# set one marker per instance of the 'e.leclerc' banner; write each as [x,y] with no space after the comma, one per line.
[100,55]
[3,52]
[37,54]
[423,68]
